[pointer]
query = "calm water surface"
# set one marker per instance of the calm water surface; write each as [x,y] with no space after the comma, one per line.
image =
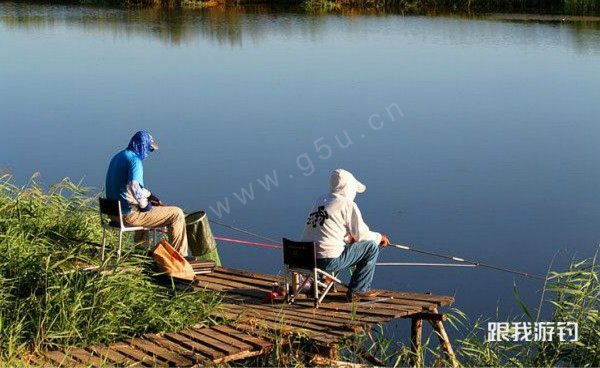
[475,137]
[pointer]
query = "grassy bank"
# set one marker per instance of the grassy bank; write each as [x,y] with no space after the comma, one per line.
[48,302]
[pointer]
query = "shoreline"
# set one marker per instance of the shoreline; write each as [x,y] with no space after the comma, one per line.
[524,10]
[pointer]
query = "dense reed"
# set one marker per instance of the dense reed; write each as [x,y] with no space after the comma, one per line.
[46,301]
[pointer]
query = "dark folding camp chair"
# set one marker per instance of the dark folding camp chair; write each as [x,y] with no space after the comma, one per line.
[299,258]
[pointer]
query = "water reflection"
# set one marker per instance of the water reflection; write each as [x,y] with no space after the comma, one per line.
[236,25]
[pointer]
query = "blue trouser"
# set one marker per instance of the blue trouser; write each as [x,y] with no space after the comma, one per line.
[363,255]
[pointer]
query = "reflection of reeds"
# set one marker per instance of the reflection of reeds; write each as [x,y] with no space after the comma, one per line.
[223,24]
[47,301]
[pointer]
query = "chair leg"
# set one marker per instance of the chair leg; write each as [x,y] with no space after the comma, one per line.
[299,290]
[324,292]
[103,243]
[316,287]
[120,242]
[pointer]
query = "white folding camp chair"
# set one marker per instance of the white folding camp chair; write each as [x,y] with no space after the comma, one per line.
[299,258]
[111,218]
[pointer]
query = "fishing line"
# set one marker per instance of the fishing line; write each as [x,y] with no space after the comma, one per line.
[243,231]
[231,240]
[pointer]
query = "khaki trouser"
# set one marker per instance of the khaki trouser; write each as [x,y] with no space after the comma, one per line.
[169,216]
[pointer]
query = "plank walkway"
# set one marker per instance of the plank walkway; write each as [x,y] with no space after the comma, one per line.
[250,323]
[189,347]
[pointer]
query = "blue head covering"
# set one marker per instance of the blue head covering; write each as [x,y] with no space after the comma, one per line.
[140,144]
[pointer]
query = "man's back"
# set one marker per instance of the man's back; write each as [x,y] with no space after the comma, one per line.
[124,167]
[327,225]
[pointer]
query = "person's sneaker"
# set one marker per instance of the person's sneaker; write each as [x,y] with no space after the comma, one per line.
[357,296]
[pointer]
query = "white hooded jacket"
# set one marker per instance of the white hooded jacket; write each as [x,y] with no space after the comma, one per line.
[335,217]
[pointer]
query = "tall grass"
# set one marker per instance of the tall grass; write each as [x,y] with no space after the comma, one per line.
[47,301]
[572,296]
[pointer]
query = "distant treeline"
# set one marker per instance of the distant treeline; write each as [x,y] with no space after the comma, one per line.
[572,7]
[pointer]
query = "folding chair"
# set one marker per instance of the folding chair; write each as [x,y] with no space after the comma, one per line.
[111,210]
[299,258]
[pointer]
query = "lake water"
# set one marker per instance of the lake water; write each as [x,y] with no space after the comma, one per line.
[476,137]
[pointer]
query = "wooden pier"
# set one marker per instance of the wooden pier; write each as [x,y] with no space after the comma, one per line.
[335,320]
[250,323]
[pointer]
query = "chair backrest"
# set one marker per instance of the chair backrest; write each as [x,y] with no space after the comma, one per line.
[299,254]
[112,209]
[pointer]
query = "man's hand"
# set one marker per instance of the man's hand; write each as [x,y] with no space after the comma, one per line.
[384,241]
[155,200]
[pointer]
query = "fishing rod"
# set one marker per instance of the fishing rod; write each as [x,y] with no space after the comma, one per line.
[473,263]
[424,264]
[465,262]
[277,246]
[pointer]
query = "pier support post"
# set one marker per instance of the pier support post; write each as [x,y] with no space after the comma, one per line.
[416,333]
[438,327]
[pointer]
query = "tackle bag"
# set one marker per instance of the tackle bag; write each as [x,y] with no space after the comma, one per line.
[170,261]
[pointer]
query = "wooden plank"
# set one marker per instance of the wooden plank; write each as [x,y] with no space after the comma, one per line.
[38,361]
[308,328]
[258,343]
[243,279]
[439,299]
[430,316]
[290,321]
[112,356]
[232,284]
[203,285]
[360,310]
[213,343]
[249,274]
[196,346]
[136,355]
[214,334]
[271,325]
[305,314]
[60,359]
[161,353]
[186,352]
[86,357]
[251,327]
[317,313]
[410,302]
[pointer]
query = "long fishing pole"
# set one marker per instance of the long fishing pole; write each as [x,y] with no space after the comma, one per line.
[278,246]
[404,247]
[474,263]
[424,264]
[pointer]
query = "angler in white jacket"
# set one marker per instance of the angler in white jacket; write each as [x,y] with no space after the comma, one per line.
[343,239]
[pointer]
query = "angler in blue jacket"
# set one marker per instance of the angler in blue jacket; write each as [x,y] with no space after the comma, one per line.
[125,183]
